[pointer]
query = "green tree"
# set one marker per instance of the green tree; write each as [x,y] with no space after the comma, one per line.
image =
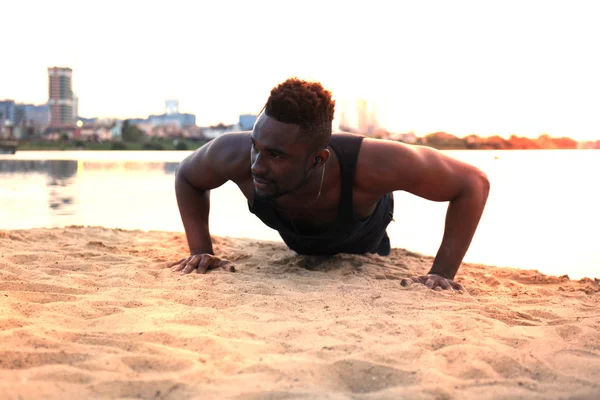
[131,133]
[181,146]
[118,146]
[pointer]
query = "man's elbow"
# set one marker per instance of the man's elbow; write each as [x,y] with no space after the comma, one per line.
[181,174]
[480,183]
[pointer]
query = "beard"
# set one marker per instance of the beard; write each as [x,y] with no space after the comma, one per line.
[278,191]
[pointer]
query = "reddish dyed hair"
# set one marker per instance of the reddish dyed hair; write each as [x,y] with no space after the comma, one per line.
[306,104]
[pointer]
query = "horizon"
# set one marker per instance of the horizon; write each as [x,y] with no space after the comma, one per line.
[462,68]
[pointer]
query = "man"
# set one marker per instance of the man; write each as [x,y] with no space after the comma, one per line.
[324,193]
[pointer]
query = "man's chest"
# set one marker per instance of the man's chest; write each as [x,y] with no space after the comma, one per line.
[322,210]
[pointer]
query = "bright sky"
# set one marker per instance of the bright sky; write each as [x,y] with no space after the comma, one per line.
[484,67]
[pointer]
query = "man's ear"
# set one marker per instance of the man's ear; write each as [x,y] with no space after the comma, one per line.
[321,157]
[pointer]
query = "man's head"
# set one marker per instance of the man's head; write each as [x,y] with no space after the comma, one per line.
[306,104]
[290,137]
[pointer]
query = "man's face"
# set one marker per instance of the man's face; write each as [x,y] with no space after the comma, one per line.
[279,157]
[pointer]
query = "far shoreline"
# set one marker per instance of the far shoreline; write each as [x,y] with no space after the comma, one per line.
[164,144]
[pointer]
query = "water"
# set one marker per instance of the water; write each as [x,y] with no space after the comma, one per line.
[542,212]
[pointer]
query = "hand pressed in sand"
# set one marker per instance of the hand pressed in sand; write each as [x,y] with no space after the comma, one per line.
[433,281]
[201,263]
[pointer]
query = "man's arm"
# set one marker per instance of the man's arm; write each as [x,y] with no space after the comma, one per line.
[430,174]
[194,206]
[207,168]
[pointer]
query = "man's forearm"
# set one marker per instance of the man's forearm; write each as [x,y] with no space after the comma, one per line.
[194,207]
[462,218]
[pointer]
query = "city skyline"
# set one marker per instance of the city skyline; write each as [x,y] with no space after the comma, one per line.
[463,68]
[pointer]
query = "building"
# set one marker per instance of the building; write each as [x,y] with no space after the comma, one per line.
[172,116]
[87,120]
[94,133]
[7,110]
[171,107]
[24,119]
[116,132]
[31,114]
[215,131]
[60,97]
[98,130]
[75,108]
[31,119]
[247,122]
[179,120]
[138,121]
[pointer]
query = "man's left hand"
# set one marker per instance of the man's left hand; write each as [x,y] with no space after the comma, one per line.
[433,281]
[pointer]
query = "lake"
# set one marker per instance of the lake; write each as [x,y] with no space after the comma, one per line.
[543,211]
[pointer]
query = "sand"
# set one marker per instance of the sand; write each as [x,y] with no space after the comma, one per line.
[94,313]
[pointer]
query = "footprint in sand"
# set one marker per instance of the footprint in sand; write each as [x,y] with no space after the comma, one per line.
[40,287]
[567,362]
[154,364]
[165,389]
[106,341]
[23,360]
[83,310]
[23,258]
[359,376]
[42,298]
[12,323]
[568,332]
[510,317]
[63,376]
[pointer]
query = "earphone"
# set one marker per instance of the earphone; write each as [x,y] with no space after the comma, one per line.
[318,160]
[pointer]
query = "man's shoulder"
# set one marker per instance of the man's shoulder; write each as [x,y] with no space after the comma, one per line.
[375,148]
[380,159]
[231,141]
[231,153]
[387,165]
[229,147]
[228,156]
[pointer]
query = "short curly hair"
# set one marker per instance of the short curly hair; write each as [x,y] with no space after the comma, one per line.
[306,104]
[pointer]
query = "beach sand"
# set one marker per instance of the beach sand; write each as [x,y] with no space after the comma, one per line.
[94,313]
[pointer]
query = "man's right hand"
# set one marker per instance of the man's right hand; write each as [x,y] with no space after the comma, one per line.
[201,263]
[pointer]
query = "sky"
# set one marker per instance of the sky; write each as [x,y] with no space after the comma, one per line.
[463,67]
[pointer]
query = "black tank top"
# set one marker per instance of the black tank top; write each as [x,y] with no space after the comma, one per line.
[347,234]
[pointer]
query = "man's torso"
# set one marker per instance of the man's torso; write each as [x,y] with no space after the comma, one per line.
[324,211]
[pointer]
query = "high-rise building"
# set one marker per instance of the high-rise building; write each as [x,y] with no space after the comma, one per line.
[60,97]
[7,110]
[75,108]
[171,107]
